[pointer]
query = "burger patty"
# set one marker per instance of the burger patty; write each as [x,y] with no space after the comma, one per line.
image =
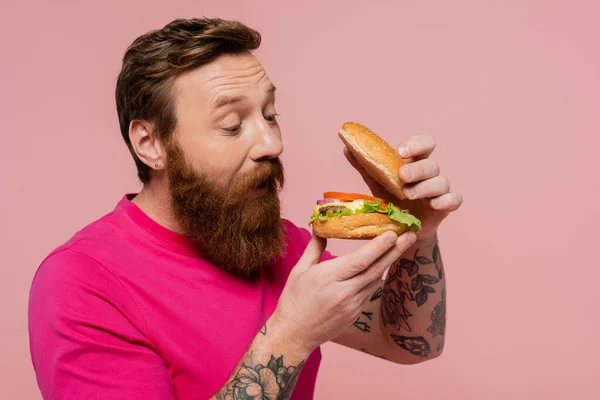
[323,210]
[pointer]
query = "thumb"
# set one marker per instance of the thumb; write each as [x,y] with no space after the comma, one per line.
[312,254]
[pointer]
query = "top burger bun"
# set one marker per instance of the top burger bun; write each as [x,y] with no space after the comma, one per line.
[375,155]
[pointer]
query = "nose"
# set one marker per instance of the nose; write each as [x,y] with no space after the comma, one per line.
[267,144]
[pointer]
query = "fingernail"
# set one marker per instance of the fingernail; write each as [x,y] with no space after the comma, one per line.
[411,192]
[436,202]
[391,239]
[403,151]
[412,237]
[408,173]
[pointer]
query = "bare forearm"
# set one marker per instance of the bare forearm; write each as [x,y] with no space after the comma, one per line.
[269,369]
[413,306]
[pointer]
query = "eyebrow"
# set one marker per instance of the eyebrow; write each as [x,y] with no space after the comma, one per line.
[224,100]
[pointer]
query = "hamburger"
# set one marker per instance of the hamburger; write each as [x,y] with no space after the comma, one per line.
[340,215]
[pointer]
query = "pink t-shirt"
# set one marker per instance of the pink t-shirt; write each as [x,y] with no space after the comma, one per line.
[128,309]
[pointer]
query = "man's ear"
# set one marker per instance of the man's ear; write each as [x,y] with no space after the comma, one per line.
[147,144]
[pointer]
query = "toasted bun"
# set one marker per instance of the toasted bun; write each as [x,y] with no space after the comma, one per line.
[361,226]
[375,155]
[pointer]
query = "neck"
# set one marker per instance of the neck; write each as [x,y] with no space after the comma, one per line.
[154,201]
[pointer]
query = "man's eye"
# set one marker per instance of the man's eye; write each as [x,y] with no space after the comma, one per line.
[233,129]
[272,117]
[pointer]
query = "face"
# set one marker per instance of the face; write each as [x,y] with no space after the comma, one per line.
[223,166]
[226,118]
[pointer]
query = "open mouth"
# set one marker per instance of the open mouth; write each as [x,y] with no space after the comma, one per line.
[259,190]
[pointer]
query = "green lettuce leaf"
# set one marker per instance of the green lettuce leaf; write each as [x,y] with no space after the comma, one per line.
[329,214]
[369,207]
[395,214]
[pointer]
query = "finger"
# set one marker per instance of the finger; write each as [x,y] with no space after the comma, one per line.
[347,266]
[312,254]
[448,202]
[419,170]
[376,270]
[433,187]
[417,147]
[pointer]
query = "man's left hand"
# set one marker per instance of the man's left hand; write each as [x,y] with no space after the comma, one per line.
[428,195]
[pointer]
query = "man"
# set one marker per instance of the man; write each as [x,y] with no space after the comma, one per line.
[196,287]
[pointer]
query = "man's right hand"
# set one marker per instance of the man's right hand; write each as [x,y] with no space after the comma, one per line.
[321,300]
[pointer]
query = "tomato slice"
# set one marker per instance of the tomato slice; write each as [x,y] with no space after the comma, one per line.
[350,196]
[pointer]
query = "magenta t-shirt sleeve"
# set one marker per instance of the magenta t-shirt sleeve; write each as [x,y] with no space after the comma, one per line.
[86,335]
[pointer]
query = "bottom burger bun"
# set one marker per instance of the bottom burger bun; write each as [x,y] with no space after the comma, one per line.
[361,226]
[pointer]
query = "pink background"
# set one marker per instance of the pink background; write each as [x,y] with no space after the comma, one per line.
[510,90]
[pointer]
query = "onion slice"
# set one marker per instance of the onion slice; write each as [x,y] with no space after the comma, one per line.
[327,201]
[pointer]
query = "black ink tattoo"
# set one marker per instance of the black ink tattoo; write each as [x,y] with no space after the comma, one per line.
[394,311]
[438,320]
[419,288]
[274,381]
[264,330]
[377,294]
[438,317]
[405,283]
[362,325]
[437,261]
[415,345]
[371,354]
[441,345]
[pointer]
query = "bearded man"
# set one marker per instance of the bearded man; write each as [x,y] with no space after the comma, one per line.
[196,287]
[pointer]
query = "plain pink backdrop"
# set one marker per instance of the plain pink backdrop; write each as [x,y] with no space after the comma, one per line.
[510,90]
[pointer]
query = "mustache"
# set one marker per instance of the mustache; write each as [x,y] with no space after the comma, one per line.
[267,172]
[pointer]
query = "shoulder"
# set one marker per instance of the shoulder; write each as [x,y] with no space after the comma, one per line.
[74,269]
[78,254]
[67,275]
[71,290]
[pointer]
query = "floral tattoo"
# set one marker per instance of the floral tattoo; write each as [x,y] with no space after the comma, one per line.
[274,381]
[405,283]
[438,320]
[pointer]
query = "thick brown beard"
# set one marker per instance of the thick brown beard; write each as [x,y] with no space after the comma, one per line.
[239,234]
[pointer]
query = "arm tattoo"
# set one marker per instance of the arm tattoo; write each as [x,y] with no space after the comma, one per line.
[275,381]
[437,261]
[264,330]
[438,321]
[363,325]
[419,288]
[405,283]
[377,294]
[415,345]
[393,309]
[441,345]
